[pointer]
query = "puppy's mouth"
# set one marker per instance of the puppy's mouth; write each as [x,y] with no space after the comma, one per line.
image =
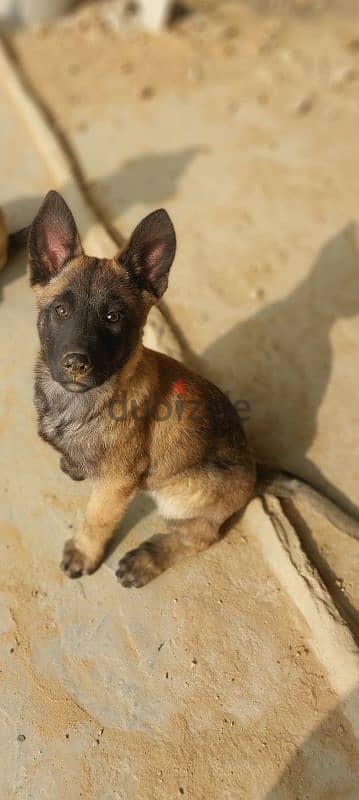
[75,387]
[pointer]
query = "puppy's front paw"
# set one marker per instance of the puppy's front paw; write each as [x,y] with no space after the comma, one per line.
[76,563]
[139,566]
[71,470]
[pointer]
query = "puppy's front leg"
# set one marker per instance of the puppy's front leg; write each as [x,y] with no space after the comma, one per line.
[85,551]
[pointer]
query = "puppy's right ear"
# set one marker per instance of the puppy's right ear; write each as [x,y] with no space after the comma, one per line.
[53,239]
[150,252]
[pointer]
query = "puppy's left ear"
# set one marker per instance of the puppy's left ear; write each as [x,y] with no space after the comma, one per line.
[53,239]
[150,252]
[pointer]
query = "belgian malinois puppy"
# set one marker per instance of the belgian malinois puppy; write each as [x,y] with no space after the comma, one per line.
[195,461]
[179,439]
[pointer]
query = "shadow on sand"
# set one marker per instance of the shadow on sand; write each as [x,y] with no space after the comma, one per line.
[326,765]
[280,361]
[151,180]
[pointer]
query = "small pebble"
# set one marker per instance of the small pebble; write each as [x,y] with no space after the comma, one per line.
[304,106]
[353,44]
[303,5]
[74,69]
[258,293]
[131,8]
[147,92]
[230,32]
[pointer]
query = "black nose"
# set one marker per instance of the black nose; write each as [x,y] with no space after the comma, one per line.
[76,363]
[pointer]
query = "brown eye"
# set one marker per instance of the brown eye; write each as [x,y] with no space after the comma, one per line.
[61,311]
[112,316]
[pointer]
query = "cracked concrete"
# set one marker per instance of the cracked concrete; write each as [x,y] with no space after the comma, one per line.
[233,675]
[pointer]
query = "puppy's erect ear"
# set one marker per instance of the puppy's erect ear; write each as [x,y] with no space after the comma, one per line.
[150,252]
[53,239]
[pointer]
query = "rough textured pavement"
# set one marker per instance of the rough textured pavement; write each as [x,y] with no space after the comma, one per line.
[233,675]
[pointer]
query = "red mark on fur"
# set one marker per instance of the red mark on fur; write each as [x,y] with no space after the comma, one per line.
[179,387]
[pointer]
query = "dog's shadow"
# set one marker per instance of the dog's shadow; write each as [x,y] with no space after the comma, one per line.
[280,361]
[150,180]
[325,764]
[142,507]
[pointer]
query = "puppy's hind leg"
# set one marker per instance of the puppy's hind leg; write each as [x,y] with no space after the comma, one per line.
[199,502]
[155,555]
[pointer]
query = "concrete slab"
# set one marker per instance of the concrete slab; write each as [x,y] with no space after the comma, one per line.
[231,676]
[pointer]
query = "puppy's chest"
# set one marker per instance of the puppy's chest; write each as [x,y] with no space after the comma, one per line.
[70,428]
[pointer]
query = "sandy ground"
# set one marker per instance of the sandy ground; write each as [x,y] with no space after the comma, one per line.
[233,676]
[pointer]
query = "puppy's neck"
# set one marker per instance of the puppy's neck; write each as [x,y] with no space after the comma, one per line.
[139,376]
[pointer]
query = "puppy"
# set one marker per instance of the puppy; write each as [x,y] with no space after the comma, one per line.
[180,438]
[128,417]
